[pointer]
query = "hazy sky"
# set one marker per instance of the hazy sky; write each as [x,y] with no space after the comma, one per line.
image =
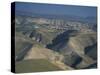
[83,11]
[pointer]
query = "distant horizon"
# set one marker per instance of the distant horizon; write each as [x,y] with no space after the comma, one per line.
[56,9]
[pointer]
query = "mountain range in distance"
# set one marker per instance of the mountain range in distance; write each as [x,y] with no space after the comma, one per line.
[88,19]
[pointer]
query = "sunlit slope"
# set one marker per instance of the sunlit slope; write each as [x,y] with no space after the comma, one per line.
[38,52]
[82,40]
[79,43]
[73,46]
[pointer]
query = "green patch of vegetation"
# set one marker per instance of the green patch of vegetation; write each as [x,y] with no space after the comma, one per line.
[35,65]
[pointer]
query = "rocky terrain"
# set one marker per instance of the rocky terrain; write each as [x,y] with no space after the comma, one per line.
[64,44]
